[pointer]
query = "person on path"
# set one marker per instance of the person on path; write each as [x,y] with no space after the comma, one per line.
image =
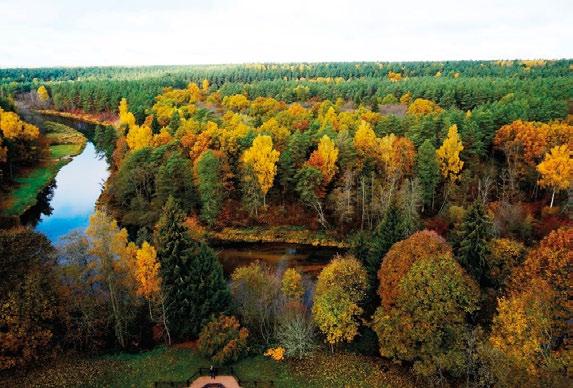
[212,372]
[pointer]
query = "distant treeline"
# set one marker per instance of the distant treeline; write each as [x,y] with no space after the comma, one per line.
[461,84]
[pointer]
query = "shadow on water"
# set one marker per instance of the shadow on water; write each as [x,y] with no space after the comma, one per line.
[42,207]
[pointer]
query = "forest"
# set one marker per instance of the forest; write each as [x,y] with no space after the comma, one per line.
[445,187]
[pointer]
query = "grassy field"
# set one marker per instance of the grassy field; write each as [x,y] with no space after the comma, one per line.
[323,369]
[65,142]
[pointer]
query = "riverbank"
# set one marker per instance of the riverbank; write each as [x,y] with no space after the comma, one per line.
[277,234]
[81,116]
[64,143]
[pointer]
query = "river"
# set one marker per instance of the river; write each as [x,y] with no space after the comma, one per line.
[69,201]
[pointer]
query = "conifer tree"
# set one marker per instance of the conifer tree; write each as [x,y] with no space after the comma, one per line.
[473,238]
[194,287]
[428,171]
[210,186]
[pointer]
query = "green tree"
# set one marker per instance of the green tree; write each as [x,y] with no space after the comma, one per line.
[473,237]
[430,330]
[308,182]
[340,291]
[175,178]
[210,186]
[192,277]
[174,122]
[428,171]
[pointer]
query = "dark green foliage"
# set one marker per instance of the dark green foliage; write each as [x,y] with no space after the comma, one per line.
[389,231]
[293,157]
[472,241]
[210,186]
[155,127]
[175,178]
[105,139]
[428,171]
[174,122]
[192,277]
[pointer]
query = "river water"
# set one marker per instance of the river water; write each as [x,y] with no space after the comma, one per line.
[69,201]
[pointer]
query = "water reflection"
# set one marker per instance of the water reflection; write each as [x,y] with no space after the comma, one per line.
[71,199]
[306,259]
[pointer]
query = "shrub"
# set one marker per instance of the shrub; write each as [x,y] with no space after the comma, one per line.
[296,332]
[223,340]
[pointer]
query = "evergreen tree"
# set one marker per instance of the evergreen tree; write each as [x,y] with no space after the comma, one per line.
[472,245]
[174,122]
[389,231]
[428,171]
[175,177]
[210,186]
[155,127]
[192,277]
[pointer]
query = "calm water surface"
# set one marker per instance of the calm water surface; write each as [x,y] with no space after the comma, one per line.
[69,201]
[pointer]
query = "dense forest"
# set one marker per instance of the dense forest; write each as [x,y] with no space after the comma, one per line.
[448,185]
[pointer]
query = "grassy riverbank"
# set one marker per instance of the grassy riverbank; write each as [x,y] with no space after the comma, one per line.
[323,369]
[64,143]
[277,234]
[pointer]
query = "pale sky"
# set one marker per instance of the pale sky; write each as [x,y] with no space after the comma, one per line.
[115,32]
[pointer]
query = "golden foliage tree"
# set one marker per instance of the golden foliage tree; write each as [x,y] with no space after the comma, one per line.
[421,106]
[262,158]
[291,284]
[42,93]
[449,155]
[126,118]
[556,170]
[139,136]
[400,258]
[324,158]
[340,288]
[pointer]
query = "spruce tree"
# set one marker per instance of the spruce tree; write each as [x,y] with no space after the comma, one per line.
[192,278]
[428,171]
[473,237]
[389,231]
[210,186]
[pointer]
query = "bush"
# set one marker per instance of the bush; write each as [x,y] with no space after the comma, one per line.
[296,332]
[223,340]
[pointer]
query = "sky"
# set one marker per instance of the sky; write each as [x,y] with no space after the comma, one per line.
[115,32]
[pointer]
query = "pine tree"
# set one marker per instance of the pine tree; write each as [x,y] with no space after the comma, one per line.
[210,186]
[472,246]
[194,286]
[174,122]
[428,171]
[389,231]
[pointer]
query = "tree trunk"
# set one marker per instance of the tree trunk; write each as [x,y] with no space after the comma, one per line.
[552,197]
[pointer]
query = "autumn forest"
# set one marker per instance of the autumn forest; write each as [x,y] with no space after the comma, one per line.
[407,224]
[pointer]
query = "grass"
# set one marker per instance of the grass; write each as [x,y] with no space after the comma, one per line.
[277,234]
[323,369]
[65,142]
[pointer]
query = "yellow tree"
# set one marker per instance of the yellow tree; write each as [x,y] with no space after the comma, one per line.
[340,291]
[449,155]
[205,86]
[262,158]
[43,95]
[108,245]
[149,281]
[126,118]
[421,106]
[139,137]
[365,139]
[556,169]
[324,158]
[291,284]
